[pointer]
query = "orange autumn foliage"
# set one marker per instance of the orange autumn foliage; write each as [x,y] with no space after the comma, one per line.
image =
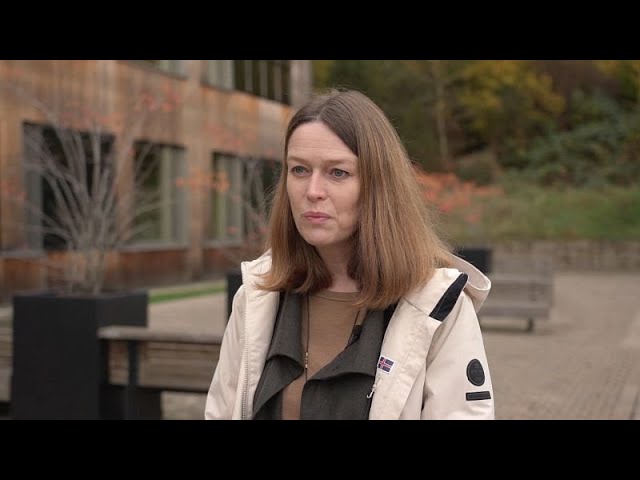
[456,199]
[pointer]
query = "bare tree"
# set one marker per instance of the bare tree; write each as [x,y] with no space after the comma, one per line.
[439,84]
[439,80]
[251,195]
[96,171]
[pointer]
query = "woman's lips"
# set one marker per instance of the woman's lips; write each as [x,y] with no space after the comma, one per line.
[316,217]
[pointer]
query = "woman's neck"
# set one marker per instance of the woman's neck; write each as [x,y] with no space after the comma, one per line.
[337,262]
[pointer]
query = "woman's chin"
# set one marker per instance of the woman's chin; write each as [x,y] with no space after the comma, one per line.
[318,241]
[324,242]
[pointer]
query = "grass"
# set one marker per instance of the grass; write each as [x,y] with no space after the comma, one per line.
[528,212]
[182,294]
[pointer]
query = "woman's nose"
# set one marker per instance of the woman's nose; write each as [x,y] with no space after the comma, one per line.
[315,188]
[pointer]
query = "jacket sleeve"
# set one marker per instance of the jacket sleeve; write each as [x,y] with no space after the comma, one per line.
[458,383]
[223,390]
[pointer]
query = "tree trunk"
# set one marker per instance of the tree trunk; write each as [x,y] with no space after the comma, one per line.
[441,111]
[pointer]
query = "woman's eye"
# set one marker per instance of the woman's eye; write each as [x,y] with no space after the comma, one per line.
[339,173]
[298,169]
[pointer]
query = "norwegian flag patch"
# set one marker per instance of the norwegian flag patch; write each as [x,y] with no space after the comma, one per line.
[385,364]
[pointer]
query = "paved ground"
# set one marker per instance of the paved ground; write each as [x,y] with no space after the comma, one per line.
[584,363]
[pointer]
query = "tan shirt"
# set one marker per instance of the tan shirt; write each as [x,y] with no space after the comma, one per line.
[332,320]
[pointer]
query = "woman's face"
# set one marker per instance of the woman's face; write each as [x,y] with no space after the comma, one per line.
[323,185]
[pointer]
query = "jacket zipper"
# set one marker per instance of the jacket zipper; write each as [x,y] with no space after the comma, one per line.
[373,388]
[370,397]
[245,388]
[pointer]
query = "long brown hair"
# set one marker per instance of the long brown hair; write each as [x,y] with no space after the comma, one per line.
[394,246]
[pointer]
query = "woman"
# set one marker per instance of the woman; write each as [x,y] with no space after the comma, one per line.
[357,310]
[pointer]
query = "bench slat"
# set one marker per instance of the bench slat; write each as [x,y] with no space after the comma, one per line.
[119,332]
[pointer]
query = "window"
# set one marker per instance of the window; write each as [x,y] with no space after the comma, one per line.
[170,66]
[265,78]
[59,180]
[160,204]
[238,197]
[219,73]
[226,199]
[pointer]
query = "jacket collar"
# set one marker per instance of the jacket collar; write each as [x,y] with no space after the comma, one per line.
[284,359]
[288,330]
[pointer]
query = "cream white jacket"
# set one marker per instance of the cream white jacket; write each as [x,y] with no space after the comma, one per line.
[435,363]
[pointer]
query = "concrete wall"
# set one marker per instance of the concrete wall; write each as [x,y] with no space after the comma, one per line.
[578,255]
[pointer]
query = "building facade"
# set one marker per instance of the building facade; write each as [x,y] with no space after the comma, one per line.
[199,130]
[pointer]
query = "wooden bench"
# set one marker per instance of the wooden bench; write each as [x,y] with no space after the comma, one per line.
[140,358]
[520,295]
[159,360]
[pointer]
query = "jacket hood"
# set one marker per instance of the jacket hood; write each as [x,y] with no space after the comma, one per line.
[478,284]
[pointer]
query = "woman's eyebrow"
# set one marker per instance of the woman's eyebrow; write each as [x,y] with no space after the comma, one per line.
[330,161]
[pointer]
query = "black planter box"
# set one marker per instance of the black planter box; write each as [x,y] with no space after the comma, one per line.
[479,257]
[59,370]
[234,280]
